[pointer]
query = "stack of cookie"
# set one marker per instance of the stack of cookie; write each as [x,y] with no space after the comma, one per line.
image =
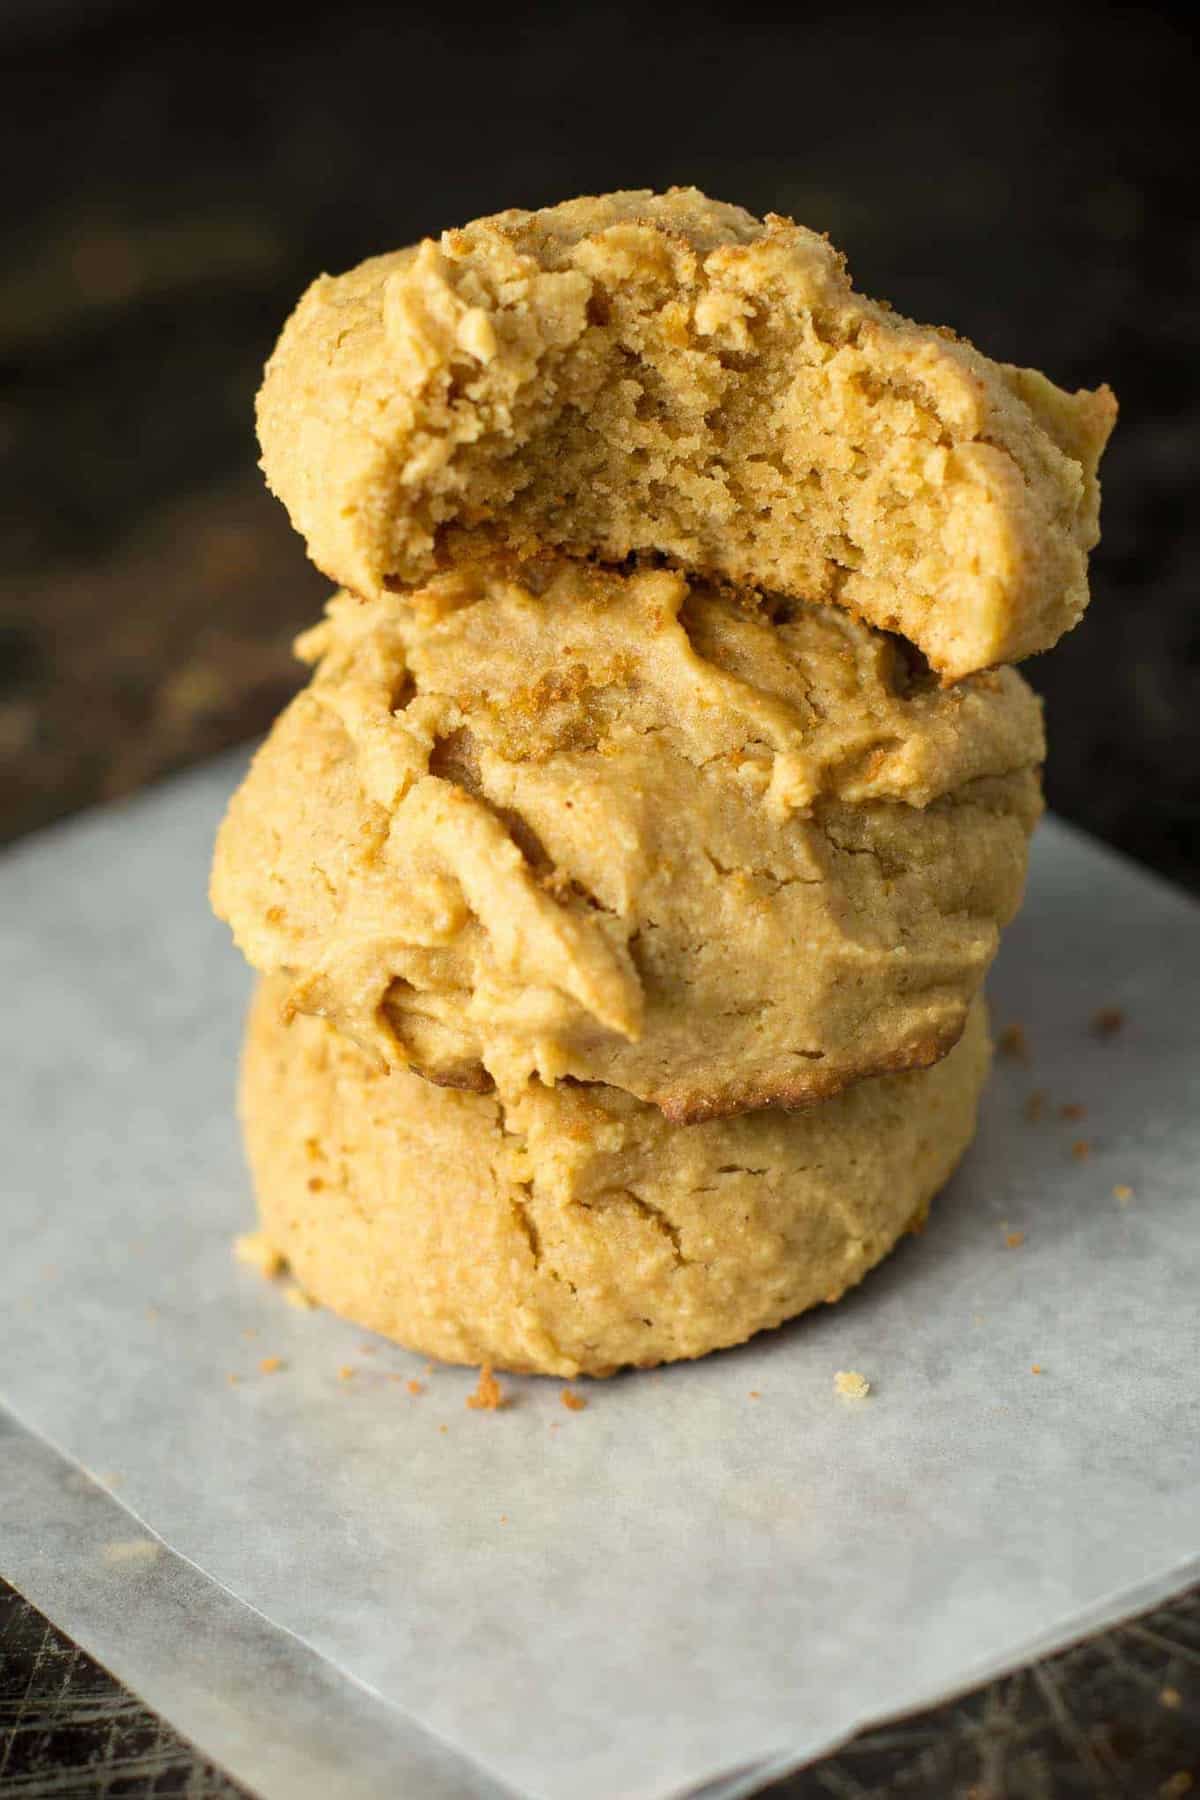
[625,880]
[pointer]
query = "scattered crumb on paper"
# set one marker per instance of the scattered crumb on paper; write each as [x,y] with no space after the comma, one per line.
[851,1385]
[1123,1193]
[1071,1109]
[345,1373]
[270,1365]
[1015,1239]
[1081,1149]
[414,1386]
[489,1396]
[1035,1106]
[572,1401]
[1107,1022]
[1014,1042]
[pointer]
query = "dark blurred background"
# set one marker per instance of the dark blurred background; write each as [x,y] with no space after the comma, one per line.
[1027,176]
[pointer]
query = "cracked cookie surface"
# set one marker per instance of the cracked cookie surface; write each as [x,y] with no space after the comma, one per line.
[662,372]
[572,1230]
[552,821]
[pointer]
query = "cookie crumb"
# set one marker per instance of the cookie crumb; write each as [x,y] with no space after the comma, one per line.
[489,1396]
[1123,1193]
[851,1385]
[1072,1110]
[1107,1022]
[1081,1149]
[754,1394]
[255,1249]
[270,1365]
[572,1401]
[443,1429]
[1170,1697]
[296,1296]
[414,1386]
[1015,1239]
[1035,1368]
[345,1373]
[1014,1042]
[233,1380]
[1035,1106]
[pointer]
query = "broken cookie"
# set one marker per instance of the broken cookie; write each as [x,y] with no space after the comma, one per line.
[664,375]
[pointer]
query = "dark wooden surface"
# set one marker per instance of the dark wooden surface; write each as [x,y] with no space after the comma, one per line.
[1118,1716]
[1024,173]
[66,1727]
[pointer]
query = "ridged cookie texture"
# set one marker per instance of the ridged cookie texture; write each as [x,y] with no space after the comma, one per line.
[553,821]
[664,373]
[572,1230]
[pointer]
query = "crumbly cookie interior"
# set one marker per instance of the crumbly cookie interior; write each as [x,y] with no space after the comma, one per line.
[737,409]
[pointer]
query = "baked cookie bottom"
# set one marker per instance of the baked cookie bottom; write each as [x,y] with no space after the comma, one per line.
[574,1230]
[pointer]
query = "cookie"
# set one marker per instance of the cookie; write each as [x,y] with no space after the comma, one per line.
[572,1229]
[553,821]
[663,373]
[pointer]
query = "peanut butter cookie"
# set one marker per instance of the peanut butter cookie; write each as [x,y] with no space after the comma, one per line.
[553,821]
[663,373]
[572,1229]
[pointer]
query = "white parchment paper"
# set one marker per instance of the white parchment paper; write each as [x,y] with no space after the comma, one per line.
[681,1584]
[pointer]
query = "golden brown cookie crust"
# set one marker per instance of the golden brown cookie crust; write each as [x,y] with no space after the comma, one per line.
[572,1230]
[662,373]
[558,822]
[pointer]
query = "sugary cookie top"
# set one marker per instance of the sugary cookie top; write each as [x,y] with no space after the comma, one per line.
[549,819]
[551,655]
